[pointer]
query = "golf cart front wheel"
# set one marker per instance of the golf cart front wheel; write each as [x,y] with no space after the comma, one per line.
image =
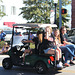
[7,64]
[41,67]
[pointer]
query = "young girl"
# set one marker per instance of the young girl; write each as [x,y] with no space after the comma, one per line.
[35,40]
[50,47]
[65,49]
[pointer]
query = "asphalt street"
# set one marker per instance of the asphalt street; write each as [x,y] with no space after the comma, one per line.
[28,71]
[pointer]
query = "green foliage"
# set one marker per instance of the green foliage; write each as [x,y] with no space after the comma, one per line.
[2,44]
[1,13]
[38,11]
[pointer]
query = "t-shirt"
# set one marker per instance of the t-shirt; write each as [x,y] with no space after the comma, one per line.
[3,36]
[31,37]
[63,38]
[17,33]
[66,36]
[0,36]
[49,43]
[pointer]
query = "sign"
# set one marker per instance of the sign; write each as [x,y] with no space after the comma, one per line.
[52,16]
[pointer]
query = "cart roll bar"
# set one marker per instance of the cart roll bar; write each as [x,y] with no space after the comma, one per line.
[12,36]
[32,25]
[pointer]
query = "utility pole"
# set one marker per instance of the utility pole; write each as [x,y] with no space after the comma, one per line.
[60,16]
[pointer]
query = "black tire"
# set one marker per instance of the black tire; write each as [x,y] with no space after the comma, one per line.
[7,63]
[41,67]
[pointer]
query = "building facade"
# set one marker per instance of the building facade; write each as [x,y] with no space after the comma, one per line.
[12,10]
[73,14]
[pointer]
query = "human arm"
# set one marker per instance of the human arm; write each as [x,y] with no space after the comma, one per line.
[28,41]
[65,42]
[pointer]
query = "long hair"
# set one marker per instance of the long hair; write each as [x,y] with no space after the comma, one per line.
[58,37]
[40,36]
[49,28]
[62,29]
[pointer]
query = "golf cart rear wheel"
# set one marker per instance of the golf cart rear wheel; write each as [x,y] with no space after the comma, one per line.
[41,67]
[7,64]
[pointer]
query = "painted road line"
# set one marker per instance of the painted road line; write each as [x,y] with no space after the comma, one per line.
[69,71]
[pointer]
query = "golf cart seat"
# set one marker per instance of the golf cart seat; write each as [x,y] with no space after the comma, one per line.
[41,51]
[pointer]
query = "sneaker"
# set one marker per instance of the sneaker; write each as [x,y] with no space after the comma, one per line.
[59,66]
[66,65]
[71,62]
[22,63]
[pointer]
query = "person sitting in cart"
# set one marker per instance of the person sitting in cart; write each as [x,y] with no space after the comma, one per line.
[16,33]
[64,48]
[31,36]
[49,47]
[35,40]
[5,48]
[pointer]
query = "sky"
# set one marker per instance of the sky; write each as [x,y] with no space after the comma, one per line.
[68,7]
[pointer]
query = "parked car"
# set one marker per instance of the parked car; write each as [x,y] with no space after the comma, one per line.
[71,35]
[8,35]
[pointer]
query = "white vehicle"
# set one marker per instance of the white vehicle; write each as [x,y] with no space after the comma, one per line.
[71,37]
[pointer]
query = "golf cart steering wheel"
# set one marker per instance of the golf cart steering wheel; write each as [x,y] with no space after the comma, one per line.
[23,41]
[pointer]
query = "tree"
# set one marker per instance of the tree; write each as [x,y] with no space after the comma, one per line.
[38,11]
[1,12]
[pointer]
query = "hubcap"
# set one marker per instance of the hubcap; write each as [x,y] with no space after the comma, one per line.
[6,64]
[39,68]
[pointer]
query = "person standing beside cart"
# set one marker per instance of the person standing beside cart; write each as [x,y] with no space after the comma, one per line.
[0,35]
[3,34]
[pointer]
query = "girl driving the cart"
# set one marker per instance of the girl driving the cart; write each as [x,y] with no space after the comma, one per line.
[35,40]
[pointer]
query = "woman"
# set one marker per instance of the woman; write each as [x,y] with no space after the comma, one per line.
[64,39]
[35,40]
[49,47]
[65,49]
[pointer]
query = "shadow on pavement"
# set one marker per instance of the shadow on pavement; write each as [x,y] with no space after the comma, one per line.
[24,71]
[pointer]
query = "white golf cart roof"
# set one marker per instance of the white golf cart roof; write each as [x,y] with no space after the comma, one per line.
[35,25]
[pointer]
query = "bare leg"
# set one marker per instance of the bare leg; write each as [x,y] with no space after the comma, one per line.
[52,51]
[26,51]
[60,55]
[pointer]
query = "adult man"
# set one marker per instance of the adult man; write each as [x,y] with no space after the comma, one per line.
[3,34]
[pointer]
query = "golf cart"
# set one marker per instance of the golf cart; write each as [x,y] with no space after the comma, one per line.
[39,61]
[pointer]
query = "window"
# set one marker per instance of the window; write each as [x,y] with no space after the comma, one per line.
[2,8]
[13,10]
